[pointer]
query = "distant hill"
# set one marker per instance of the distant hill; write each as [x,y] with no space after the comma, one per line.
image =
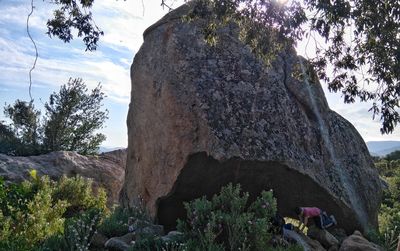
[382,148]
[104,149]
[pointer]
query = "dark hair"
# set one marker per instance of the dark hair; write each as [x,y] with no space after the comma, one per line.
[298,210]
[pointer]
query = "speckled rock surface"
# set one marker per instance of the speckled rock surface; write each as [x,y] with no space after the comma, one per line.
[107,170]
[201,117]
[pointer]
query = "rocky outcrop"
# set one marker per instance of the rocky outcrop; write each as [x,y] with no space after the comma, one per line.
[322,236]
[356,242]
[203,116]
[302,240]
[107,170]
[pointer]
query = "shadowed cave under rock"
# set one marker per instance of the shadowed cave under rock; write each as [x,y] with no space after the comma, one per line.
[204,175]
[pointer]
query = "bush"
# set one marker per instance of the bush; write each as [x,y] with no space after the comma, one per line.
[389,213]
[29,210]
[116,224]
[227,223]
[78,192]
[157,244]
[79,230]
[33,213]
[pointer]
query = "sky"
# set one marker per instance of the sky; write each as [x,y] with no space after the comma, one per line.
[123,23]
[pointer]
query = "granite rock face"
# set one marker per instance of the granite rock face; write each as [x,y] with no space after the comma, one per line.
[201,117]
[107,170]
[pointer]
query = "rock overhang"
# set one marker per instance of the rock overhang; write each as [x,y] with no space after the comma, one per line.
[203,175]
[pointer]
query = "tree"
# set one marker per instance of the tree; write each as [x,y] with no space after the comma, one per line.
[393,155]
[25,127]
[72,117]
[8,141]
[362,40]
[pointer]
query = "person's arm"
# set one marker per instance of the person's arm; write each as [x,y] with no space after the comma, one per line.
[304,223]
[300,220]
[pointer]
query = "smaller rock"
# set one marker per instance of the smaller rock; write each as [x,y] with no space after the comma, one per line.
[305,242]
[322,236]
[121,243]
[98,240]
[356,242]
[339,233]
[334,248]
[115,244]
[171,236]
[152,230]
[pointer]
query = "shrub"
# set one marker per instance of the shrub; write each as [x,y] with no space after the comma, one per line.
[158,244]
[33,213]
[78,231]
[78,192]
[116,223]
[226,222]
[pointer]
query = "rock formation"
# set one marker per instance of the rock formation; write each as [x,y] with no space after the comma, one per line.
[107,170]
[356,242]
[202,116]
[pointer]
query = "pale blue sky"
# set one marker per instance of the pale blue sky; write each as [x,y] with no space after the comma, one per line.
[123,23]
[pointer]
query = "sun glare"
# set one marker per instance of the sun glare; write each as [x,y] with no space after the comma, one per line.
[283,2]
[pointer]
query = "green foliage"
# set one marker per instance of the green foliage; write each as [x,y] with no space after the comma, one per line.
[157,244]
[115,224]
[72,117]
[54,243]
[227,223]
[393,156]
[32,212]
[80,230]
[23,137]
[74,14]
[8,141]
[386,168]
[389,213]
[289,248]
[78,192]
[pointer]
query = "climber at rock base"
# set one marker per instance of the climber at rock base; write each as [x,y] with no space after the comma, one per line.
[321,219]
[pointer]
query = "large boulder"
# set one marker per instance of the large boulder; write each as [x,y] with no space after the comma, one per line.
[202,116]
[106,170]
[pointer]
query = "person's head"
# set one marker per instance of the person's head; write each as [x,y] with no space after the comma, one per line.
[298,210]
[131,220]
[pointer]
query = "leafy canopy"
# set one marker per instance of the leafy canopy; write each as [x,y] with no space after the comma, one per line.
[74,14]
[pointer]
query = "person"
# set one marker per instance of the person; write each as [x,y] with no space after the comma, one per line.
[132,224]
[321,219]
